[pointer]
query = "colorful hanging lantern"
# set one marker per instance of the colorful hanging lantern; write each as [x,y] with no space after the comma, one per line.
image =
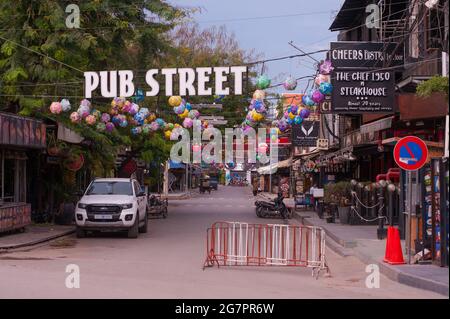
[167,134]
[101,127]
[109,127]
[175,100]
[105,118]
[154,126]
[290,83]
[85,102]
[84,111]
[304,113]
[65,104]
[263,82]
[184,114]
[325,88]
[136,130]
[259,95]
[187,123]
[91,119]
[193,114]
[298,120]
[133,109]
[55,108]
[318,97]
[75,117]
[326,67]
[97,114]
[320,78]
[188,106]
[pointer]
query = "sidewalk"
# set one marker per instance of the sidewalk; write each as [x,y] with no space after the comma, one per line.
[33,235]
[361,241]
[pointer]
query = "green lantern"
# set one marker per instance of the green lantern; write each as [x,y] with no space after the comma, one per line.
[263,82]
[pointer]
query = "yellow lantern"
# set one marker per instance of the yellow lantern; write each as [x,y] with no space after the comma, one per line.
[184,114]
[174,100]
[259,95]
[291,116]
[167,134]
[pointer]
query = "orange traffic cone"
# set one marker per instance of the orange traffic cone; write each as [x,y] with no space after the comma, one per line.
[393,255]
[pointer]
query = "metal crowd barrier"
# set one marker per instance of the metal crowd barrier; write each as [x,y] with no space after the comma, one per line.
[243,244]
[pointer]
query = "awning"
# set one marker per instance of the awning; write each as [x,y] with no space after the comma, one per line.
[377,125]
[346,17]
[272,168]
[173,164]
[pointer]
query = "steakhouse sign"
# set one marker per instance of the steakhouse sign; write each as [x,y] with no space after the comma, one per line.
[360,83]
[188,81]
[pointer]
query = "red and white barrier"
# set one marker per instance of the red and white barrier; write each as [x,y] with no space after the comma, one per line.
[243,244]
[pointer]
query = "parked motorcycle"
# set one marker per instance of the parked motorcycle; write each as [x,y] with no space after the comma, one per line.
[272,208]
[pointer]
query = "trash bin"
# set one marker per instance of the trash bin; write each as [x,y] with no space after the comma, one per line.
[320,208]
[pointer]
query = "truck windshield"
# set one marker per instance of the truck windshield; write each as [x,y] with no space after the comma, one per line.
[110,188]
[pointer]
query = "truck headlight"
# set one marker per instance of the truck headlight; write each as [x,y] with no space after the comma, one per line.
[127,206]
[82,206]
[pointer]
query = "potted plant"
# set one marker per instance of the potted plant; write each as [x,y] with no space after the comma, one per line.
[342,193]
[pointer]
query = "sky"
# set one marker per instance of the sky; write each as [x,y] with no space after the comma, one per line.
[305,22]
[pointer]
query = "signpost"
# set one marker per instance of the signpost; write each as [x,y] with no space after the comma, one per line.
[305,134]
[410,154]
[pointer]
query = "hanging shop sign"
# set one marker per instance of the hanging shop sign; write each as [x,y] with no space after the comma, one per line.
[322,144]
[410,153]
[204,81]
[366,54]
[305,134]
[358,91]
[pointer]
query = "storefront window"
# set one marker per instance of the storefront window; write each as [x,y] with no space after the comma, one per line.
[12,178]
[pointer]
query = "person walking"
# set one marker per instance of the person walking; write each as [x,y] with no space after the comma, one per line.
[255,187]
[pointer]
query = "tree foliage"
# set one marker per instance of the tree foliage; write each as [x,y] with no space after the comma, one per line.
[437,84]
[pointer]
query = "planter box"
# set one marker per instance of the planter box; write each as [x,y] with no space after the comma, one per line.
[14,216]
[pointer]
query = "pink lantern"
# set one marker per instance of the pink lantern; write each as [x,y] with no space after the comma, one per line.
[55,107]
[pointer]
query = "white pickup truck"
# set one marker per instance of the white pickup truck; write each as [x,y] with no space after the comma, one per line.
[112,204]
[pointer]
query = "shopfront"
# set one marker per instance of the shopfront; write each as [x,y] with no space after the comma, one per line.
[21,140]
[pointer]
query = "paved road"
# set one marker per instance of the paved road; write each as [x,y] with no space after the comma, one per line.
[167,263]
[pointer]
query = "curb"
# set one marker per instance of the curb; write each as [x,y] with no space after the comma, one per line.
[38,241]
[392,273]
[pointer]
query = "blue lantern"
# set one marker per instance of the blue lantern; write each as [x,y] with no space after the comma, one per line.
[325,88]
[298,120]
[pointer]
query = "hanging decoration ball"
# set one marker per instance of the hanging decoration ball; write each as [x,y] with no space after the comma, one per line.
[105,117]
[193,114]
[136,130]
[169,126]
[145,111]
[290,83]
[133,109]
[118,102]
[146,129]
[257,117]
[114,110]
[176,125]
[307,101]
[320,78]
[139,118]
[174,100]
[123,123]
[259,95]
[126,107]
[259,106]
[55,108]
[326,67]
[294,109]
[289,121]
[204,124]
[263,82]
[115,119]
[101,127]
[84,111]
[318,97]
[160,122]
[97,114]
[109,127]
[291,116]
[304,113]
[65,104]
[282,125]
[85,102]
[184,114]
[188,106]
[325,88]
[91,119]
[298,120]
[187,123]
[75,117]
[154,126]
[167,134]
[151,117]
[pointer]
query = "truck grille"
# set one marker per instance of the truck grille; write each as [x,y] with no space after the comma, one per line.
[113,210]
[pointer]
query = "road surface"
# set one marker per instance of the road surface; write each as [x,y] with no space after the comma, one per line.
[167,263]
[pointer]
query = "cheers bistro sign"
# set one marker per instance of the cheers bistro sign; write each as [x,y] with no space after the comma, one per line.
[202,81]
